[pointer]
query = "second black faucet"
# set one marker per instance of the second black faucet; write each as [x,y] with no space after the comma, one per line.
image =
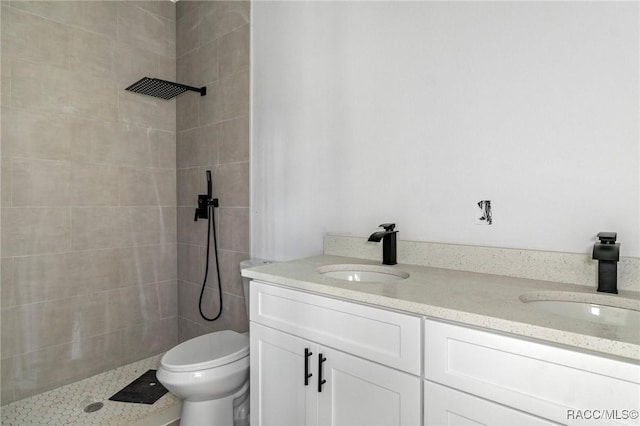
[388,237]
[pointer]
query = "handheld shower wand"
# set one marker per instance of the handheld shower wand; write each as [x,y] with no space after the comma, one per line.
[206,204]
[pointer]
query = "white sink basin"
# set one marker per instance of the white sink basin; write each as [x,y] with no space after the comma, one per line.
[364,273]
[592,308]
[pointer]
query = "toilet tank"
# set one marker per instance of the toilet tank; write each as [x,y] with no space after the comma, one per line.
[245,281]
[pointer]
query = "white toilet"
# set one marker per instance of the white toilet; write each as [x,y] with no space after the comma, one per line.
[210,373]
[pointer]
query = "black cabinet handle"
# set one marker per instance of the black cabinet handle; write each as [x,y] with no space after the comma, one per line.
[321,381]
[307,375]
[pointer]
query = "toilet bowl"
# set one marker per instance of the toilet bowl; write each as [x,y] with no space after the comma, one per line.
[207,372]
[210,373]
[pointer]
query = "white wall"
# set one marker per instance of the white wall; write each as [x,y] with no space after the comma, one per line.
[412,112]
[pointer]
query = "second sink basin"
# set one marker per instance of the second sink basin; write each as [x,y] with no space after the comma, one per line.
[364,273]
[611,310]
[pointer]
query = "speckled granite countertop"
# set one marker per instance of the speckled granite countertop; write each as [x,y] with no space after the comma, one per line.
[481,300]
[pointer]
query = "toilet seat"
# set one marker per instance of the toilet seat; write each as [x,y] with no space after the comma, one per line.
[207,351]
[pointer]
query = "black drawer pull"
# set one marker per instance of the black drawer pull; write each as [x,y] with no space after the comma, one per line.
[307,375]
[321,381]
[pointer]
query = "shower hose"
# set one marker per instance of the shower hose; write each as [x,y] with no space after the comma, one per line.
[211,223]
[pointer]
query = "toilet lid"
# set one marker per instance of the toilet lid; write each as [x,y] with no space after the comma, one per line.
[207,351]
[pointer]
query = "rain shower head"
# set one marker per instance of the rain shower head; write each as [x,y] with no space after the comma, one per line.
[162,88]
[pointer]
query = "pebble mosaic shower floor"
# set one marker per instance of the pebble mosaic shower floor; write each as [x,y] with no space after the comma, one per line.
[64,406]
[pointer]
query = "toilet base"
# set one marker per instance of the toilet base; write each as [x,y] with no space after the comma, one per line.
[216,412]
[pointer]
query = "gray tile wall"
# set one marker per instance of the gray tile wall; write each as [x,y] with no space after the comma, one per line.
[212,134]
[88,184]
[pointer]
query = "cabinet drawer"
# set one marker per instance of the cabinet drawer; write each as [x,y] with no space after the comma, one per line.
[549,381]
[446,406]
[390,338]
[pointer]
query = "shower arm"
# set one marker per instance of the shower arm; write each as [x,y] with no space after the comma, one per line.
[201,90]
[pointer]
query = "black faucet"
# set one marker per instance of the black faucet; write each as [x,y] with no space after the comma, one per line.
[388,237]
[607,252]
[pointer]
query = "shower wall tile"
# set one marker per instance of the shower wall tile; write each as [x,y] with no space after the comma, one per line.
[191,263]
[235,313]
[147,264]
[188,298]
[167,9]
[97,16]
[94,141]
[131,63]
[167,297]
[149,339]
[146,111]
[131,306]
[187,26]
[163,150]
[185,8]
[29,231]
[7,385]
[59,365]
[140,146]
[210,106]
[149,6]
[142,28]
[191,182]
[234,140]
[197,147]
[230,270]
[7,290]
[89,315]
[94,185]
[187,110]
[91,53]
[213,49]
[189,329]
[146,187]
[39,183]
[39,278]
[166,69]
[5,82]
[5,181]
[233,184]
[97,227]
[191,231]
[234,229]
[34,39]
[234,92]
[68,320]
[149,225]
[199,67]
[27,134]
[51,323]
[53,89]
[92,271]
[233,310]
[234,51]
[222,17]
[14,331]
[89,213]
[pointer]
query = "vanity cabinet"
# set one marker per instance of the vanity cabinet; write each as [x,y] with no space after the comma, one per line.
[318,360]
[321,361]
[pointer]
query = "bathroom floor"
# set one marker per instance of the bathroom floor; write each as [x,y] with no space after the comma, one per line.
[65,405]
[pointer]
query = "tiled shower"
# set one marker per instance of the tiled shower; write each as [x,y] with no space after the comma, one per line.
[101,259]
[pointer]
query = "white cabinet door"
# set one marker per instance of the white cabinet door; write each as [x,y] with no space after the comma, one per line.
[445,406]
[555,383]
[360,392]
[279,396]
